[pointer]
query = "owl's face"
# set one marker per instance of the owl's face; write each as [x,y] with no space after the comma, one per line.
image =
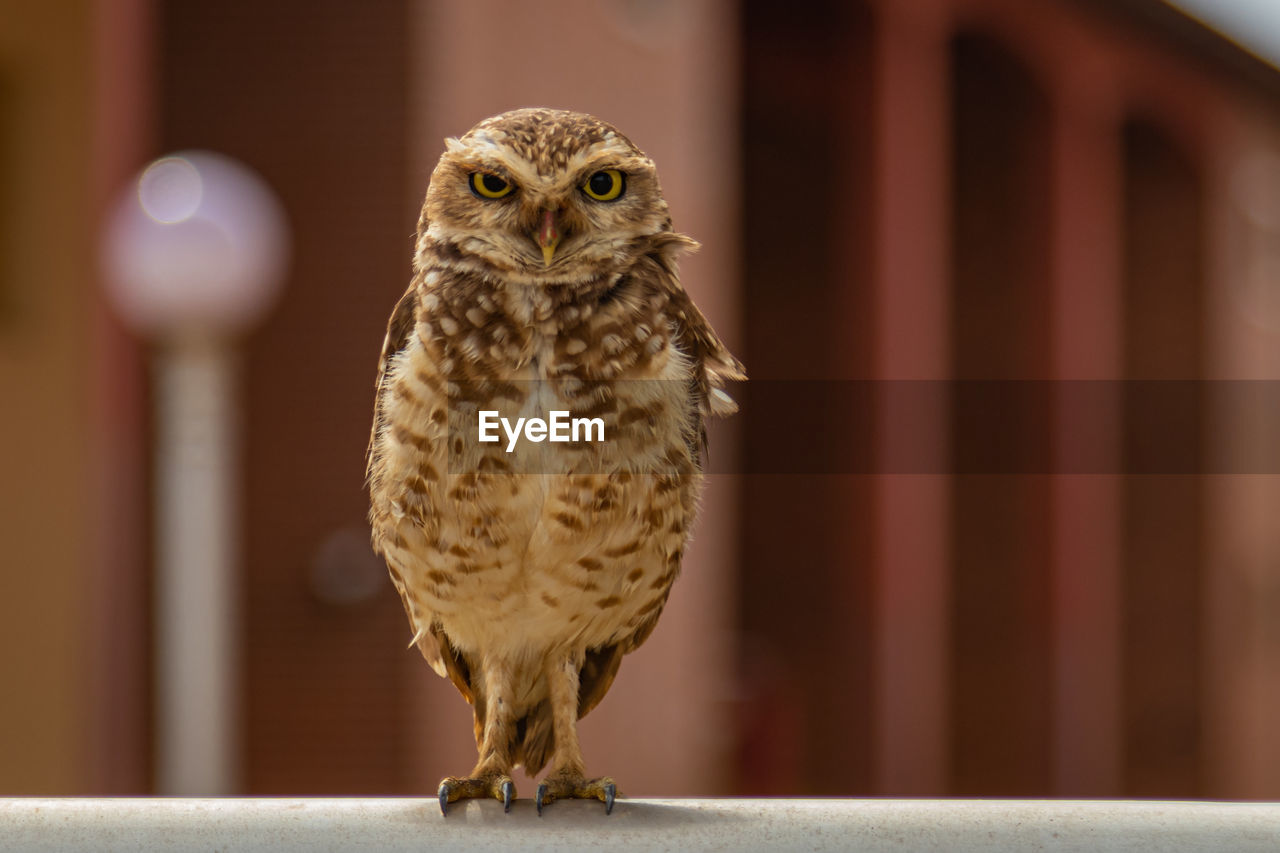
[544,196]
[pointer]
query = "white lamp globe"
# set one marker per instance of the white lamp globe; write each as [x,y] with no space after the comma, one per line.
[197,245]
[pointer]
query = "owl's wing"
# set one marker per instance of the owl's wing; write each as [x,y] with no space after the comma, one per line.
[694,335]
[435,647]
[398,329]
[596,676]
[434,644]
[713,364]
[601,665]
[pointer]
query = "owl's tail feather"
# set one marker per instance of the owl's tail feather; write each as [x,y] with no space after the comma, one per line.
[535,738]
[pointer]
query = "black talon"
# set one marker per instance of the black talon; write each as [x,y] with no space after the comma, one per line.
[508,791]
[444,798]
[610,791]
[542,790]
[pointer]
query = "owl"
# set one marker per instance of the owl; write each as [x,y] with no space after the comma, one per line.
[544,295]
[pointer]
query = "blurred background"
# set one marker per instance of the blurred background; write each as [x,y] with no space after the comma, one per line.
[889,192]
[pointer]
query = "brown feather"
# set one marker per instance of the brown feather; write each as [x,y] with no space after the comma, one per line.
[535,738]
[456,666]
[597,674]
[398,329]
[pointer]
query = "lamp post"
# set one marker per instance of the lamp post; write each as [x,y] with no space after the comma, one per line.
[194,254]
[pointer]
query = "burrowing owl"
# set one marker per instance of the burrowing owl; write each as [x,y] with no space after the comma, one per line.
[544,281]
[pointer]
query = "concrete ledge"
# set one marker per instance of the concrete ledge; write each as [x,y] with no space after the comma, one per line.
[740,824]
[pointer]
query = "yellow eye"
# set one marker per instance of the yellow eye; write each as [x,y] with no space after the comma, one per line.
[606,185]
[487,185]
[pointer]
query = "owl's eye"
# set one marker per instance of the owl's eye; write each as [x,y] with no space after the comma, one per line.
[487,185]
[605,185]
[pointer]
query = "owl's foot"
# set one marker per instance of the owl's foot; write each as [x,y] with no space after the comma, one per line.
[498,786]
[560,786]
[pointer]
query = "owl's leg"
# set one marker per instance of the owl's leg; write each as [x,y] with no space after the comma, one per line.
[567,778]
[495,724]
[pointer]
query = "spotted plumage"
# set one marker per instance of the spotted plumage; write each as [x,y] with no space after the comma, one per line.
[544,279]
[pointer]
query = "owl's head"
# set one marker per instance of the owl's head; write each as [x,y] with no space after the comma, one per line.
[543,196]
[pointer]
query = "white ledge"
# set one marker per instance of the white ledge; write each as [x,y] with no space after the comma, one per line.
[728,824]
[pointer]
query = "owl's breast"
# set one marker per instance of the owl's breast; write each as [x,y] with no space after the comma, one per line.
[518,543]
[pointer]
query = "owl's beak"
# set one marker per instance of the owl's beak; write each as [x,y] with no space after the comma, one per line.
[548,236]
